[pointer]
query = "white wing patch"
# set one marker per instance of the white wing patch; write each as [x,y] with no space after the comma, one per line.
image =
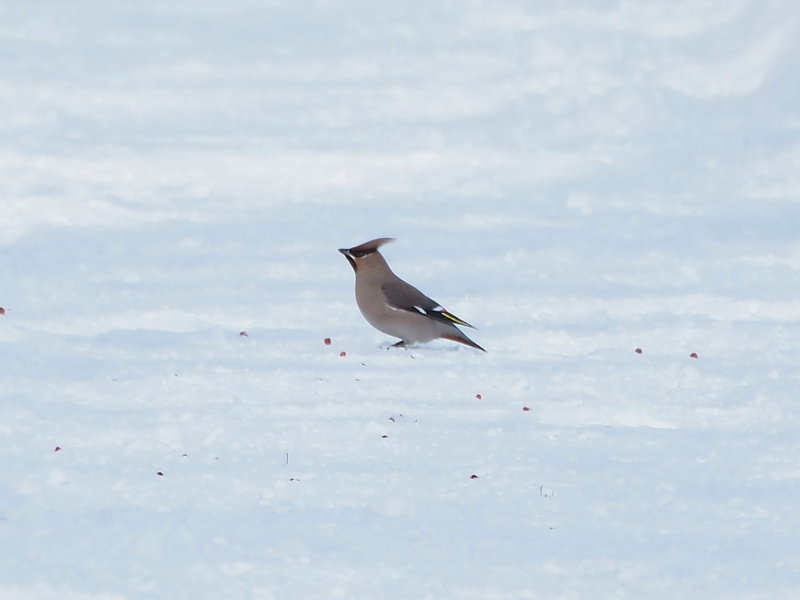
[422,311]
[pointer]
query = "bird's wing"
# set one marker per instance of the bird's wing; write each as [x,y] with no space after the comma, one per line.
[404,296]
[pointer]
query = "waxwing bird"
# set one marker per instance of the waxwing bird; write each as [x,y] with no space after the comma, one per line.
[395,307]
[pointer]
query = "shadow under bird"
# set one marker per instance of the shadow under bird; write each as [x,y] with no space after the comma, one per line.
[395,307]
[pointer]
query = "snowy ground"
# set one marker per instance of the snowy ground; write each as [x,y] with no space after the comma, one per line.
[577,181]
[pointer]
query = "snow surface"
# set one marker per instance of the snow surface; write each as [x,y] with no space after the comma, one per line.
[578,179]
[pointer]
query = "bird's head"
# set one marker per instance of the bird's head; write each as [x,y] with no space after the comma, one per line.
[363,253]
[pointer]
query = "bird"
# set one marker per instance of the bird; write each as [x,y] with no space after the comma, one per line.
[395,307]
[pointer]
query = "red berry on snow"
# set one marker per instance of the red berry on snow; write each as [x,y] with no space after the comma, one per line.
[693,355]
[638,351]
[327,341]
[342,353]
[473,476]
[478,396]
[526,408]
[58,449]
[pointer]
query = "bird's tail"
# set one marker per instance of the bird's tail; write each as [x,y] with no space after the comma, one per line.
[451,317]
[456,335]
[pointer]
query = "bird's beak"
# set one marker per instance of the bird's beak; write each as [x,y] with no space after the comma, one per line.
[349,257]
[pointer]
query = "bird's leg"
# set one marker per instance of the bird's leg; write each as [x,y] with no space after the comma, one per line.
[400,344]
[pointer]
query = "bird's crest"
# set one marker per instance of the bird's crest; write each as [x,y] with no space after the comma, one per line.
[369,247]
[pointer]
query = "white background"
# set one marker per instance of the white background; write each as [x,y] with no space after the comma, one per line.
[578,179]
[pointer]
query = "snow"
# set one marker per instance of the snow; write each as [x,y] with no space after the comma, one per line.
[577,180]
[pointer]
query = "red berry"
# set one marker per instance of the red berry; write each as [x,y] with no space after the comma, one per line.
[526,408]
[693,355]
[342,353]
[638,351]
[327,341]
[478,396]
[58,449]
[473,476]
[2,310]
